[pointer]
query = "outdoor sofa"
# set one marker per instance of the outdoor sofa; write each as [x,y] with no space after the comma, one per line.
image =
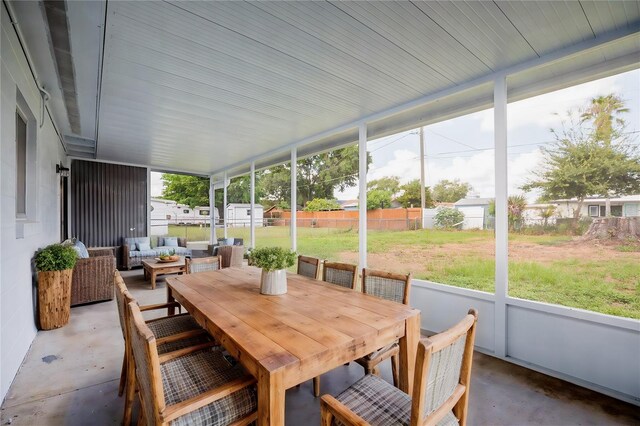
[137,249]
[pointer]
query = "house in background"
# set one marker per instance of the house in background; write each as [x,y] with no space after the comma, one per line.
[626,206]
[349,205]
[476,212]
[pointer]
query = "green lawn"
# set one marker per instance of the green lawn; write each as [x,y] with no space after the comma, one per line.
[543,268]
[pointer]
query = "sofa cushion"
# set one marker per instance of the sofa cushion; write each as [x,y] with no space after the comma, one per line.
[145,253]
[169,242]
[81,249]
[131,242]
[178,250]
[143,246]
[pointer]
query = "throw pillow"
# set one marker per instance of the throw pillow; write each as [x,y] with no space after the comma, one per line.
[171,242]
[142,246]
[82,251]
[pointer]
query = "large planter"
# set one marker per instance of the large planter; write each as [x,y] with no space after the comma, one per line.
[54,298]
[273,283]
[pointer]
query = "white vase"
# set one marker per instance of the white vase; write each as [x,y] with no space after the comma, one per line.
[273,283]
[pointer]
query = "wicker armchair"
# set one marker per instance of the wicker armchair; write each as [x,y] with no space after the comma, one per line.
[440,392]
[93,277]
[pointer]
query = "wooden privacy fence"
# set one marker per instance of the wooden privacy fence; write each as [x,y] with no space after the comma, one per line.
[382,219]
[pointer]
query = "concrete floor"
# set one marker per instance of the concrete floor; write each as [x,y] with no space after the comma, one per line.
[70,377]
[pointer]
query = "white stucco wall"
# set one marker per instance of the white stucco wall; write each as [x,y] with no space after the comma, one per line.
[17,301]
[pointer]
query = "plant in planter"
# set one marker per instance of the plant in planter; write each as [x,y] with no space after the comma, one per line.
[169,256]
[274,261]
[55,268]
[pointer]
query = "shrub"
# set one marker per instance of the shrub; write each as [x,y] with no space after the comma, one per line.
[448,218]
[378,199]
[56,257]
[322,204]
[272,258]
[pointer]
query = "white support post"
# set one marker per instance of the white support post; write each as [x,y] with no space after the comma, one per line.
[252,216]
[148,202]
[423,194]
[224,204]
[212,211]
[501,221]
[362,181]
[294,199]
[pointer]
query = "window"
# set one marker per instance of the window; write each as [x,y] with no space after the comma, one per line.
[204,212]
[248,212]
[21,166]
[594,211]
[185,211]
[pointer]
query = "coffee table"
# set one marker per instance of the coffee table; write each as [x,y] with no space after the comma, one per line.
[153,268]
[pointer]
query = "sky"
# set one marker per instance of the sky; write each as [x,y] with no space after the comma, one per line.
[462,148]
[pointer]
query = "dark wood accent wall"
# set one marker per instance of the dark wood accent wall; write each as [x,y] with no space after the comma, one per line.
[107,200]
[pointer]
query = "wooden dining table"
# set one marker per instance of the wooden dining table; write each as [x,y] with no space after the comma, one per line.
[288,339]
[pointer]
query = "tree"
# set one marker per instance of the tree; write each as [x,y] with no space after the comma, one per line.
[275,186]
[411,195]
[186,189]
[378,199]
[448,218]
[320,175]
[516,205]
[450,191]
[322,204]
[584,160]
[391,184]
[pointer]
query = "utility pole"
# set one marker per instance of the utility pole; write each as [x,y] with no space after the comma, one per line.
[423,199]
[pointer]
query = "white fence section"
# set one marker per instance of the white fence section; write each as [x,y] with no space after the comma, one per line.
[473,217]
[597,351]
[427,218]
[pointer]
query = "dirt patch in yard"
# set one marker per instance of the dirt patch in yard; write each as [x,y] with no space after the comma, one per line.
[420,259]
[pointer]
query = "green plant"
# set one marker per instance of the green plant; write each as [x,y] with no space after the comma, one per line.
[321,204]
[448,218]
[272,258]
[56,257]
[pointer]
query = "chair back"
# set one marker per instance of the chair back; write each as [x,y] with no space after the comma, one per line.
[148,375]
[308,266]
[231,255]
[123,298]
[442,375]
[203,264]
[342,274]
[386,285]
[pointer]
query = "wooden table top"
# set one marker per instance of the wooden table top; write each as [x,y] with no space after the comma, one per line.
[311,329]
[154,264]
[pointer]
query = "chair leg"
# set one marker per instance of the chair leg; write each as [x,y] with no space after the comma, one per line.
[130,394]
[123,374]
[316,386]
[395,370]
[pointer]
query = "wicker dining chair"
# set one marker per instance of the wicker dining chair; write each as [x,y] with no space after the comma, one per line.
[203,264]
[342,274]
[308,266]
[440,388]
[395,288]
[172,332]
[231,255]
[194,385]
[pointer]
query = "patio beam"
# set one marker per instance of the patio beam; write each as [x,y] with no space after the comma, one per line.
[224,202]
[501,220]
[252,215]
[362,204]
[294,199]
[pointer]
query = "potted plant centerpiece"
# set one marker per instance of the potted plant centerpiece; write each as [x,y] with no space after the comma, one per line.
[55,268]
[274,261]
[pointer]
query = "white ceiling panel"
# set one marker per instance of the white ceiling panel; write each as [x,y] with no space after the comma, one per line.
[208,86]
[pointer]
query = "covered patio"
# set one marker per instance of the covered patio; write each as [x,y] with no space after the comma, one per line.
[111,91]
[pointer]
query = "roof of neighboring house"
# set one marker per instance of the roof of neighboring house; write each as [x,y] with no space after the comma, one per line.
[162,200]
[244,205]
[473,202]
[625,198]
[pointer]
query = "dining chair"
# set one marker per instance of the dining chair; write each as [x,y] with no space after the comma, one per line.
[395,288]
[440,387]
[231,255]
[308,266]
[342,274]
[203,264]
[172,332]
[195,385]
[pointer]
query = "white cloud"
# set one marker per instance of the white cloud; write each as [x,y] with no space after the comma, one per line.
[539,110]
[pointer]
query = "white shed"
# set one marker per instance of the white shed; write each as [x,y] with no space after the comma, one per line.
[239,215]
